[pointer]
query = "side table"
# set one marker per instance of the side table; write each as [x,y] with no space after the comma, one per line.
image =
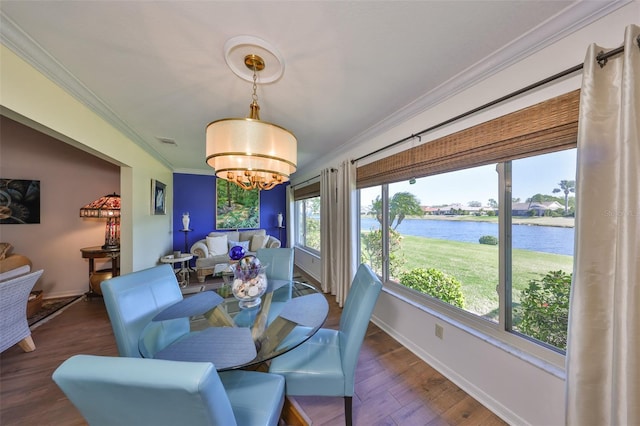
[97,252]
[280,229]
[182,273]
[186,239]
[186,244]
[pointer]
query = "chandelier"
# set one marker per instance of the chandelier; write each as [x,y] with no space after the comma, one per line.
[248,151]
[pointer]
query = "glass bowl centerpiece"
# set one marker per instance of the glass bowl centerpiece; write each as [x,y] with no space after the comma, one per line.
[250,281]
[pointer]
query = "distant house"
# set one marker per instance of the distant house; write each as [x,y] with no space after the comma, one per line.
[455,209]
[524,209]
[452,209]
[429,210]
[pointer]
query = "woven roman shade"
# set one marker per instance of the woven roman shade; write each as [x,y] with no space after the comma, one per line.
[549,126]
[307,191]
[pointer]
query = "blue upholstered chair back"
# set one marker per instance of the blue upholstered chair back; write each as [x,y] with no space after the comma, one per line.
[129,391]
[132,300]
[279,262]
[354,320]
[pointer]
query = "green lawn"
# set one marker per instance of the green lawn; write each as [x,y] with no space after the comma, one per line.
[475,265]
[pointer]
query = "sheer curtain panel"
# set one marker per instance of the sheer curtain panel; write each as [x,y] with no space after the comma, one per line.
[347,230]
[603,354]
[328,229]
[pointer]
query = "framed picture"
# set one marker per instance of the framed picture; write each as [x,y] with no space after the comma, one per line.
[19,201]
[236,208]
[158,197]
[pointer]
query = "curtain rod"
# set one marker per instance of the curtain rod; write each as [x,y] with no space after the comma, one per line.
[602,59]
[312,178]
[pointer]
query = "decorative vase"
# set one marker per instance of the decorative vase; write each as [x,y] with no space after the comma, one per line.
[185,221]
[279,220]
[249,282]
[236,253]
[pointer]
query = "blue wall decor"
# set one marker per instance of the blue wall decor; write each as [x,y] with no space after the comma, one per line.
[196,194]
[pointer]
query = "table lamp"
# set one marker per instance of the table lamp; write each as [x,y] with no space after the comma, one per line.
[109,207]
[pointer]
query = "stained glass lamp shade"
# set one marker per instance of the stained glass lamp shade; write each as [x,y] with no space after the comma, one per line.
[106,207]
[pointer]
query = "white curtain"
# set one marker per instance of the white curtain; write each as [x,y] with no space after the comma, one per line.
[603,355]
[328,229]
[346,219]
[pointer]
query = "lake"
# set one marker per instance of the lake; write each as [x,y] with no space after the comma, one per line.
[548,239]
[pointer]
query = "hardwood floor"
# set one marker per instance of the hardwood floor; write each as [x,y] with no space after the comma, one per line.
[393,386]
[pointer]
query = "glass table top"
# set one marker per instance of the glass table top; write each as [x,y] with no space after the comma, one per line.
[214,329]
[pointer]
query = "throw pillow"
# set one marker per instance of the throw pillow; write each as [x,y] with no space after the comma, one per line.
[258,242]
[248,234]
[5,248]
[217,245]
[243,244]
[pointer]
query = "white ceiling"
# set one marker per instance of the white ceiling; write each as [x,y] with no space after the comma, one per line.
[156,69]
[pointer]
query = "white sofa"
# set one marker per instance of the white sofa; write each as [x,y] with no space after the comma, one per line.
[214,249]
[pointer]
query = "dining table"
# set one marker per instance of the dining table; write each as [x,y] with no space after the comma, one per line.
[232,337]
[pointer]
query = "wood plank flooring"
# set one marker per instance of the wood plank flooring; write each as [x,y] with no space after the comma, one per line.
[393,386]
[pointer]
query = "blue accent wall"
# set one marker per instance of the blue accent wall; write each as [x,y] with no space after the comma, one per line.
[196,194]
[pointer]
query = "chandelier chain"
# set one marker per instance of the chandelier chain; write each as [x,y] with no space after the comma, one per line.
[255,86]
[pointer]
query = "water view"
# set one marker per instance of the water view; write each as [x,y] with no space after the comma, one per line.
[547,239]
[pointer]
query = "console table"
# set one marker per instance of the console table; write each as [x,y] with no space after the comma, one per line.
[97,252]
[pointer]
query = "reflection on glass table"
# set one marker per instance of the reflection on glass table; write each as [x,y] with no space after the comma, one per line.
[230,337]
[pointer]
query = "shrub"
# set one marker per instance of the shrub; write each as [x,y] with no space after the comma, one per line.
[545,308]
[371,252]
[435,283]
[489,239]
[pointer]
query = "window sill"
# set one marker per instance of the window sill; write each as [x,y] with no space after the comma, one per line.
[537,355]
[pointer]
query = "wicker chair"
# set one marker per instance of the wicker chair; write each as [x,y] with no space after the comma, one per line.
[14,328]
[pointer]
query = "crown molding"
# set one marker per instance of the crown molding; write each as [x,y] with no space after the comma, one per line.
[568,21]
[12,36]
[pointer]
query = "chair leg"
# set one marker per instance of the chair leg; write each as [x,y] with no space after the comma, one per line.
[348,410]
[27,344]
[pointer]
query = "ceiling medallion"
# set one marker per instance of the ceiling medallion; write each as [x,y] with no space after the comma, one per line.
[236,50]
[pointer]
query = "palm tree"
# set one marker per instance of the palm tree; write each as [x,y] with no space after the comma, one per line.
[566,186]
[401,204]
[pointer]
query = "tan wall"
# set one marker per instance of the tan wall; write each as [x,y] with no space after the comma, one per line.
[69,179]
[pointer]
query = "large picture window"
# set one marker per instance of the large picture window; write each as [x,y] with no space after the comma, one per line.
[479,224]
[452,238]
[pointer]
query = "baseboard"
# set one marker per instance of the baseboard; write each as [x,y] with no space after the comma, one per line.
[293,414]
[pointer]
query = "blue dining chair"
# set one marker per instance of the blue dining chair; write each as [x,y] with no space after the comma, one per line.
[132,300]
[325,365]
[279,266]
[134,391]
[279,262]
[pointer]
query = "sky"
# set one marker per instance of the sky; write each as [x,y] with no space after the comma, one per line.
[533,175]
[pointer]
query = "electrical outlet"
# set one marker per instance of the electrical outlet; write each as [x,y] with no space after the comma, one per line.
[439,331]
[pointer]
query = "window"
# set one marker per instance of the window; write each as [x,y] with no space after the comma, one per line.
[308,223]
[497,280]
[541,260]
[493,242]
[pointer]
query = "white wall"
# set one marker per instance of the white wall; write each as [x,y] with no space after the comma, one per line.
[34,100]
[495,374]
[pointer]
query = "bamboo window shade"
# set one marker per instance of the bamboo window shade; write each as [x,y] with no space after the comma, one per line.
[546,127]
[307,191]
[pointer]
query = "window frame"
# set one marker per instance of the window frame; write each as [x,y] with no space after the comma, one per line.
[542,128]
[501,332]
[300,224]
